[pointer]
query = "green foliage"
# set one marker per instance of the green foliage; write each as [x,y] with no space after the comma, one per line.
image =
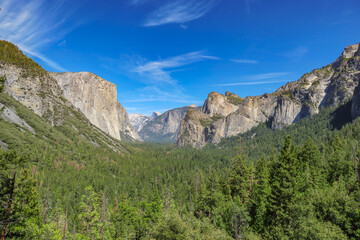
[261,194]
[216,117]
[125,220]
[289,94]
[89,216]
[11,54]
[241,178]
[173,227]
[316,83]
[236,100]
[2,83]
[206,122]
[19,212]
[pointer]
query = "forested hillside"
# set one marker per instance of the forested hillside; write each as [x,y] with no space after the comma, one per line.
[63,178]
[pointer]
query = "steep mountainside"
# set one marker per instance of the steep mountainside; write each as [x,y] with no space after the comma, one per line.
[29,83]
[97,99]
[24,82]
[138,121]
[329,86]
[165,127]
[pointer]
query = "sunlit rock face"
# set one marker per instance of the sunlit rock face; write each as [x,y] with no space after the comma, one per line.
[228,115]
[96,98]
[165,127]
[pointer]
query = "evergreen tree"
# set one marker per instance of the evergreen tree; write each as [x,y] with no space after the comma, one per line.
[125,219]
[340,162]
[19,210]
[241,178]
[284,176]
[89,215]
[261,194]
[311,161]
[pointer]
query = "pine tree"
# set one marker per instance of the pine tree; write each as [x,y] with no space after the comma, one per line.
[89,215]
[310,159]
[241,178]
[20,215]
[261,194]
[340,162]
[284,176]
[124,219]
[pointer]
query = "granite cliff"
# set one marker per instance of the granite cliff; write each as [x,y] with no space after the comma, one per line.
[58,97]
[228,115]
[138,121]
[165,127]
[96,98]
[30,84]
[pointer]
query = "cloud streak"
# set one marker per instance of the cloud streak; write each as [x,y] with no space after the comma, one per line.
[179,11]
[248,61]
[160,71]
[34,24]
[250,83]
[155,80]
[258,79]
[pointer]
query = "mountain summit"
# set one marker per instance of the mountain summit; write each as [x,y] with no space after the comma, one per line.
[51,95]
[228,115]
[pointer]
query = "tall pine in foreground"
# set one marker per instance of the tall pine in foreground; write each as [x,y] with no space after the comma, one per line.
[20,214]
[286,181]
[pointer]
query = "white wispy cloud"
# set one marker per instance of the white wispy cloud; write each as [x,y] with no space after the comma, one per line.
[264,76]
[179,11]
[160,71]
[33,24]
[257,79]
[250,83]
[249,61]
[155,80]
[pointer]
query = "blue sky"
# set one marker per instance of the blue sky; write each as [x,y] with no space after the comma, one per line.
[171,53]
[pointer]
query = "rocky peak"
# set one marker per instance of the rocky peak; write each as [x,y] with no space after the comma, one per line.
[351,51]
[96,98]
[165,127]
[329,86]
[154,115]
[29,83]
[139,121]
[218,104]
[193,106]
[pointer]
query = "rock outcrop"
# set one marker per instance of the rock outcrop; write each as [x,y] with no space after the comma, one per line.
[165,127]
[138,121]
[96,98]
[27,82]
[329,86]
[54,95]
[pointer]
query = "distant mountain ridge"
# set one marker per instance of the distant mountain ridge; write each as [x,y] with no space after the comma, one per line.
[228,115]
[138,121]
[165,127]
